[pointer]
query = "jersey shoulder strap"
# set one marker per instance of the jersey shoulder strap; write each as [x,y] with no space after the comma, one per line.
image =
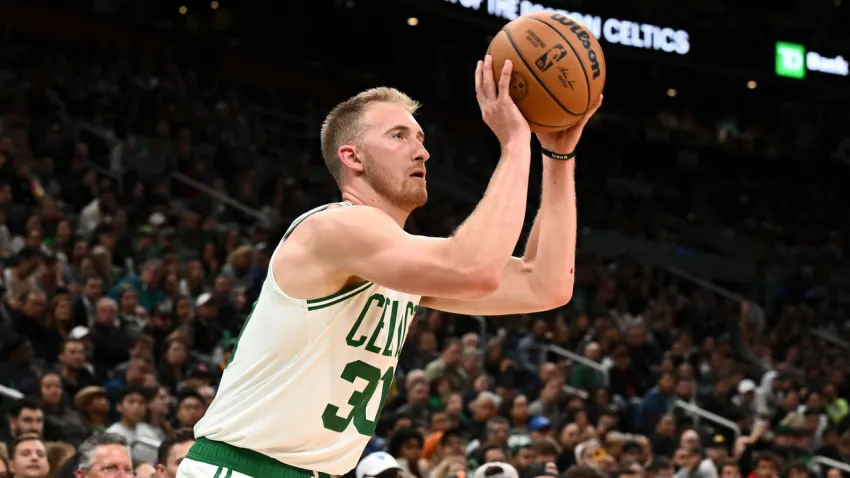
[309,213]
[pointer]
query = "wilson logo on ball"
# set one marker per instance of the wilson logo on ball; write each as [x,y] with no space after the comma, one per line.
[553,55]
[583,37]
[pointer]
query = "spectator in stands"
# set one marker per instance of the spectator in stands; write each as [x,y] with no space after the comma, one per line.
[144,470]
[25,418]
[205,327]
[766,465]
[93,405]
[19,278]
[17,369]
[530,347]
[190,408]
[416,406]
[61,421]
[584,377]
[26,318]
[176,363]
[146,285]
[449,366]
[547,404]
[657,402]
[75,376]
[171,452]
[29,457]
[158,408]
[406,447]
[84,306]
[111,343]
[378,465]
[142,438]
[58,454]
[103,456]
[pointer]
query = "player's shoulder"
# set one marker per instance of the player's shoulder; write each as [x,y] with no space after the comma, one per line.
[337,220]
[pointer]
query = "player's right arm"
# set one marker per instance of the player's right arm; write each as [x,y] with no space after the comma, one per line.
[365,242]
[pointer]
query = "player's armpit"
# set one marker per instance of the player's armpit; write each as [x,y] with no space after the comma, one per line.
[364,242]
[520,292]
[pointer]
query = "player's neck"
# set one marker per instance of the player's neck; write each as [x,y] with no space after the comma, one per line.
[371,198]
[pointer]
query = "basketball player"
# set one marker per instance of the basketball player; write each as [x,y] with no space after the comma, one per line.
[314,363]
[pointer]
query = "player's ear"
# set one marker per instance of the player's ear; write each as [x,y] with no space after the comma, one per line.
[350,157]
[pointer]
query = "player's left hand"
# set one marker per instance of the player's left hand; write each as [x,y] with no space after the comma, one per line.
[564,142]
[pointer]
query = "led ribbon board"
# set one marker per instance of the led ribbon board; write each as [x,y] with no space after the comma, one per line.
[612,30]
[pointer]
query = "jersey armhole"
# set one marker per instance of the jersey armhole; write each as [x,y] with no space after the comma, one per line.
[304,303]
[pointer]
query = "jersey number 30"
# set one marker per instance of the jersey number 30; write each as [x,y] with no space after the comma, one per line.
[359,400]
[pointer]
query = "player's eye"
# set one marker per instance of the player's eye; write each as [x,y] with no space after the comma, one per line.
[398,135]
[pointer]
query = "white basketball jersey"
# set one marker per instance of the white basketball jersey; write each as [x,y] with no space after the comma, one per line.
[308,378]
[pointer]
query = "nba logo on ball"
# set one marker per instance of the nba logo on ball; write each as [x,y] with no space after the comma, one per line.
[553,55]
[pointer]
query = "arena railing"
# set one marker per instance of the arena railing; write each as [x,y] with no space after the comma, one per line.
[831,338]
[704,414]
[10,393]
[818,460]
[218,196]
[819,333]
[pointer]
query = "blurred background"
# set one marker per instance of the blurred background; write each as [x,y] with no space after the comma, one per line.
[153,152]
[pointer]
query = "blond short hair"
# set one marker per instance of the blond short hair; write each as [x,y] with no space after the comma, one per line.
[343,124]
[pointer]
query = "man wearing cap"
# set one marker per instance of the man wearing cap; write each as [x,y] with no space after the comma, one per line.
[495,470]
[378,465]
[205,329]
[716,451]
[93,405]
[539,427]
[746,397]
[522,453]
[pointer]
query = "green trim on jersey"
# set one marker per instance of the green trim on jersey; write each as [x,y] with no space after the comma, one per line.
[333,299]
[347,292]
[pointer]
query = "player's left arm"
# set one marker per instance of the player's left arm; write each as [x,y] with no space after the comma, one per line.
[543,278]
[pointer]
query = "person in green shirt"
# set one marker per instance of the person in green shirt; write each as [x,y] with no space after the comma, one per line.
[835,406]
[584,377]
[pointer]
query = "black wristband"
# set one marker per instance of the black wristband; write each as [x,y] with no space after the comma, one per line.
[558,156]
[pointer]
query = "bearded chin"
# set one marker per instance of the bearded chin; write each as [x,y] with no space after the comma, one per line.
[406,195]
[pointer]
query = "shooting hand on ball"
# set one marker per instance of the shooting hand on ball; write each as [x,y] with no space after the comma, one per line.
[497,107]
[564,142]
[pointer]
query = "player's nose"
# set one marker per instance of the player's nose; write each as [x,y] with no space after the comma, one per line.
[422,155]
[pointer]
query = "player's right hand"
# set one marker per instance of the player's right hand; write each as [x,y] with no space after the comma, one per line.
[497,107]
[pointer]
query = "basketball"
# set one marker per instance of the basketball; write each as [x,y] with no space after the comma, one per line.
[558,68]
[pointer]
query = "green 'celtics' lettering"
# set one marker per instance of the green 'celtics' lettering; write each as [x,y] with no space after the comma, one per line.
[393,315]
[359,399]
[370,347]
[396,329]
[357,323]
[409,313]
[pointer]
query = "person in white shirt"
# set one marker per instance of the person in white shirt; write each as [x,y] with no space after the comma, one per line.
[142,438]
